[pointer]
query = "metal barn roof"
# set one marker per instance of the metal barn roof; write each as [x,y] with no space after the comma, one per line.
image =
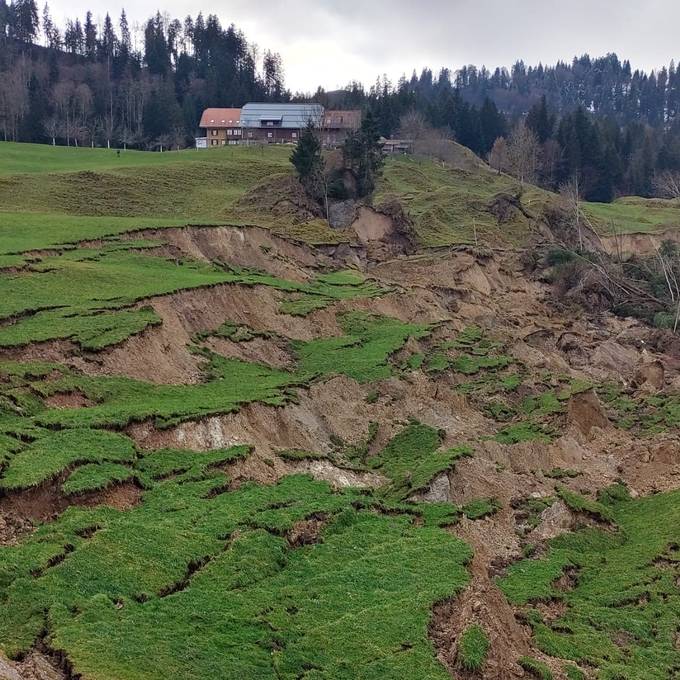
[293,116]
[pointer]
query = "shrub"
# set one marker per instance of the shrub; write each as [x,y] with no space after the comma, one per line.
[558,256]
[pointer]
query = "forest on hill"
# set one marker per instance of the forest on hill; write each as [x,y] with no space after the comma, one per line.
[144,86]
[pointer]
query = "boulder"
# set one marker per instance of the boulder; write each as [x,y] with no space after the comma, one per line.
[586,412]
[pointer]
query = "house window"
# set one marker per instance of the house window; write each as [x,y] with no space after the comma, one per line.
[224,141]
[270,134]
[294,135]
[250,134]
[237,132]
[213,142]
[213,133]
[270,123]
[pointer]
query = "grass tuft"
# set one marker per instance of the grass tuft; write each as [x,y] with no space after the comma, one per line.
[473,648]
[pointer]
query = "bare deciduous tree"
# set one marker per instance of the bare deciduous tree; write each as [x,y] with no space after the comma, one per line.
[52,128]
[427,141]
[523,153]
[13,102]
[412,126]
[498,156]
[667,184]
[571,196]
[551,157]
[63,103]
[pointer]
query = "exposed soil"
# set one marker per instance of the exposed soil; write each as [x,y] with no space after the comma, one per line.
[340,478]
[119,496]
[68,400]
[13,527]
[268,351]
[586,413]
[482,603]
[251,247]
[35,666]
[306,531]
[21,509]
[37,504]
[638,244]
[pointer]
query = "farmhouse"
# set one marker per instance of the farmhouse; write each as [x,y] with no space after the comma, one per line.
[222,126]
[269,123]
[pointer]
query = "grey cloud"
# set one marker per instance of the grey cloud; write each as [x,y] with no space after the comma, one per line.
[333,41]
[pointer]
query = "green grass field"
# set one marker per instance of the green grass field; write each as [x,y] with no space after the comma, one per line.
[51,196]
[61,181]
[17,158]
[201,580]
[195,584]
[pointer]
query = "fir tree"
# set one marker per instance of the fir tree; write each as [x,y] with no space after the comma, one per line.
[539,120]
[362,154]
[309,164]
[23,18]
[90,36]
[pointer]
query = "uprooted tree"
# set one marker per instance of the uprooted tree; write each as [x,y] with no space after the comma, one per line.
[646,287]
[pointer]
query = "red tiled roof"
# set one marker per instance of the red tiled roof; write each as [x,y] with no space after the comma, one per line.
[343,120]
[220,118]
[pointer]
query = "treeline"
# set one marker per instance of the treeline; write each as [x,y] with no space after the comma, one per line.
[116,84]
[618,131]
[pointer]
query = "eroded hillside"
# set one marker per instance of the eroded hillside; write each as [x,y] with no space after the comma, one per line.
[246,451]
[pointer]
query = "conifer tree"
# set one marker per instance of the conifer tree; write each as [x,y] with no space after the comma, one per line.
[90,36]
[539,120]
[362,154]
[308,162]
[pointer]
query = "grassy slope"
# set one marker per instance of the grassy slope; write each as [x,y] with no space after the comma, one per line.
[200,582]
[18,158]
[622,614]
[47,191]
[85,294]
[50,196]
[256,607]
[632,214]
[447,204]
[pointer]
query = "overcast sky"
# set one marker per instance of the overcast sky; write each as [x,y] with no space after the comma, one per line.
[330,42]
